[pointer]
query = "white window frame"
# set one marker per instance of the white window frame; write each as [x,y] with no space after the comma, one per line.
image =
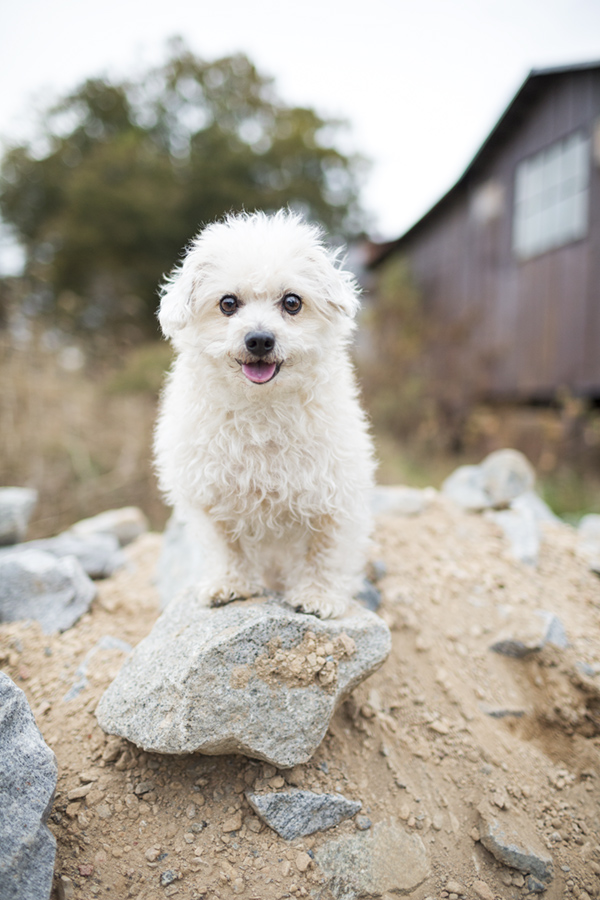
[552,197]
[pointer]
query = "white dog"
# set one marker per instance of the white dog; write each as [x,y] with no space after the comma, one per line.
[261,444]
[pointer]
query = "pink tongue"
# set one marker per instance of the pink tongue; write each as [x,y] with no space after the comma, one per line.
[259,372]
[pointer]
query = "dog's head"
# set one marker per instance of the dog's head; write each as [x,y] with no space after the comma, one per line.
[262,295]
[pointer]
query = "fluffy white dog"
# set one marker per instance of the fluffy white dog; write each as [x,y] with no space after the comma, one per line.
[261,444]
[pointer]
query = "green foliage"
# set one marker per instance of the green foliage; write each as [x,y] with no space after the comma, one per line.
[121,176]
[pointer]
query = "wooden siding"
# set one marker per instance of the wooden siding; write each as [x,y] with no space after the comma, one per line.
[534,325]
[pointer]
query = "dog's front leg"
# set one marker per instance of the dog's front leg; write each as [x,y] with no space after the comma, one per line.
[230,574]
[324,582]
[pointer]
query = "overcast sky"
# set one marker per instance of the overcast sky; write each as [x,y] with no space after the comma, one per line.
[421,82]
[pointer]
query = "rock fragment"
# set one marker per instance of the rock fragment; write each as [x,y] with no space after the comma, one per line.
[399,500]
[36,585]
[382,861]
[98,554]
[511,838]
[28,774]
[16,506]
[588,546]
[125,524]
[466,488]
[506,475]
[253,678]
[528,634]
[522,530]
[294,814]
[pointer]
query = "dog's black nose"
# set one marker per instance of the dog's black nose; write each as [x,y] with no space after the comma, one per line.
[259,343]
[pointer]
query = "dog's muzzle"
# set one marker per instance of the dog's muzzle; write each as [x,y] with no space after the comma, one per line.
[260,344]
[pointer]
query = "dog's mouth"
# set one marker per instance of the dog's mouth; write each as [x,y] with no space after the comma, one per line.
[260,372]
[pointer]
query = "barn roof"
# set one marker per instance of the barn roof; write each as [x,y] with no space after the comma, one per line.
[516,112]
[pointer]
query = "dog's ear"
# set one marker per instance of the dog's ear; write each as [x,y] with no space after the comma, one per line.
[176,305]
[343,292]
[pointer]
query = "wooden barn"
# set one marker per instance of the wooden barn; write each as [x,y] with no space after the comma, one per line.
[510,256]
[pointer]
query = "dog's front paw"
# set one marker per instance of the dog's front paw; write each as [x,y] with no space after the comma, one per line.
[321,603]
[221,595]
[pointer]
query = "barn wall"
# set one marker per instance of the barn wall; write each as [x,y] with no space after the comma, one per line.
[533,325]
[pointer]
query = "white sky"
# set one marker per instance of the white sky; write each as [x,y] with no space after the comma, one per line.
[422,82]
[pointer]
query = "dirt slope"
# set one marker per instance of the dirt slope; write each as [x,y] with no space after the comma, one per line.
[445,724]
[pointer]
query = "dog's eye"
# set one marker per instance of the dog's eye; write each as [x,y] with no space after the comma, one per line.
[228,304]
[292,304]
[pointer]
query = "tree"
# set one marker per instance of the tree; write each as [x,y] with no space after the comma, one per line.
[129,172]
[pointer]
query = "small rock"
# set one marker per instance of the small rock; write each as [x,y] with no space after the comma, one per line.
[465,487]
[511,838]
[66,889]
[398,500]
[99,555]
[144,787]
[86,870]
[125,524]
[303,861]
[182,561]
[483,890]
[384,860]
[152,854]
[16,506]
[529,634]
[522,530]
[234,823]
[363,823]
[80,792]
[506,474]
[28,774]
[241,678]
[454,887]
[36,585]
[168,877]
[588,546]
[297,813]
[538,508]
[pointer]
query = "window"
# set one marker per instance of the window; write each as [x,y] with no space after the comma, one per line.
[551,197]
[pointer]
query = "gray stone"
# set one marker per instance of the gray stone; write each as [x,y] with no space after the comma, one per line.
[106,642]
[16,506]
[533,502]
[399,500]
[530,633]
[182,562]
[381,861]
[295,813]
[98,554]
[251,677]
[36,585]
[511,838]
[369,596]
[588,546]
[465,487]
[506,475]
[28,775]
[125,524]
[522,530]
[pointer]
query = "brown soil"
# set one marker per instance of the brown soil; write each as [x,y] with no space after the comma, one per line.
[444,724]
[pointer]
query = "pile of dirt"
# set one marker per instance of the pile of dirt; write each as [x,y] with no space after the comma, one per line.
[443,726]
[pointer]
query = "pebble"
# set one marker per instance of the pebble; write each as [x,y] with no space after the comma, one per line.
[66,889]
[303,861]
[363,823]
[79,792]
[152,854]
[234,823]
[483,890]
[454,887]
[168,877]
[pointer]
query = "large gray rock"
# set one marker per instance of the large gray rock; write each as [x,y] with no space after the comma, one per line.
[126,524]
[16,506]
[98,554]
[36,585]
[383,861]
[293,814]
[251,677]
[465,487]
[27,783]
[512,839]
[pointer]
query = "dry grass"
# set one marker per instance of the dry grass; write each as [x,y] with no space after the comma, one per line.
[81,442]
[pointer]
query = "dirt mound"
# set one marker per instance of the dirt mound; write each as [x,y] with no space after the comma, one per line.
[445,726]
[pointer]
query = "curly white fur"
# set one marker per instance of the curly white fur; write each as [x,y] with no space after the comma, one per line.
[273,476]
